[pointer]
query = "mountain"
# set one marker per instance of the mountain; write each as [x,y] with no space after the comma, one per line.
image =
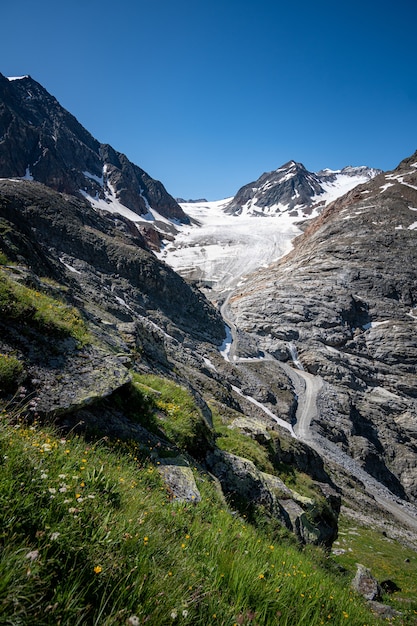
[42,141]
[106,341]
[344,300]
[86,309]
[293,189]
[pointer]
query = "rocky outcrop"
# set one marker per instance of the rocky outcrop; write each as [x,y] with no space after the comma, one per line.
[365,584]
[180,481]
[249,489]
[346,300]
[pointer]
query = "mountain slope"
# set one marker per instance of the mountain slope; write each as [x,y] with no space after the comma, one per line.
[346,299]
[40,140]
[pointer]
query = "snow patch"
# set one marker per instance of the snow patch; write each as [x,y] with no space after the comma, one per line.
[264,408]
[413,226]
[224,349]
[97,179]
[209,364]
[69,267]
[385,187]
[374,324]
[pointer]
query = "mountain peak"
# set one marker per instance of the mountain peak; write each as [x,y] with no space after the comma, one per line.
[292,188]
[42,140]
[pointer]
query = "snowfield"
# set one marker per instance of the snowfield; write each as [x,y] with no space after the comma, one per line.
[219,249]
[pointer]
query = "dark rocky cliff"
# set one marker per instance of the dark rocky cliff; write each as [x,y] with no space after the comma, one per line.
[40,139]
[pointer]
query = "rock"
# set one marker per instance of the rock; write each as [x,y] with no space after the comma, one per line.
[389,586]
[252,427]
[73,383]
[383,610]
[179,479]
[365,584]
[249,488]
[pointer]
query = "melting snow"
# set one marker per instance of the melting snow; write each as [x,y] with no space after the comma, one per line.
[209,363]
[375,324]
[224,349]
[265,409]
[123,302]
[385,187]
[69,267]
[98,179]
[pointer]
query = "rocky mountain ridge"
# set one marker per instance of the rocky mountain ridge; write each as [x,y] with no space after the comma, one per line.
[293,189]
[42,141]
[344,300]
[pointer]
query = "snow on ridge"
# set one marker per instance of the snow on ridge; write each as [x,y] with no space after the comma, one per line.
[10,78]
[338,187]
[97,179]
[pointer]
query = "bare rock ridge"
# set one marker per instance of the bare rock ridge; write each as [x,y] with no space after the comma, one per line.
[41,140]
[346,299]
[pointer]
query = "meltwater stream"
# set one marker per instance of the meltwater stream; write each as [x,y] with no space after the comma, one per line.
[224,350]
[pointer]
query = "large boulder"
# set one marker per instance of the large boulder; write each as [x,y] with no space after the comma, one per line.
[249,488]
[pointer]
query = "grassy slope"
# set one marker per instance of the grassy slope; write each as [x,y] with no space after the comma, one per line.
[89,534]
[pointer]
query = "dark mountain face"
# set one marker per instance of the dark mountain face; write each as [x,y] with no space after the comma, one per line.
[39,139]
[294,189]
[346,298]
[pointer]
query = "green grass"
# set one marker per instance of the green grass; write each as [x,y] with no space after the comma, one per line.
[32,308]
[174,413]
[10,371]
[90,535]
[235,442]
[385,557]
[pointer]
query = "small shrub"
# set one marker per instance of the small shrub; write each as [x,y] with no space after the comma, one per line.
[10,371]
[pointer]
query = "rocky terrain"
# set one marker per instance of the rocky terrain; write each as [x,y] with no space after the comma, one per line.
[344,302]
[341,305]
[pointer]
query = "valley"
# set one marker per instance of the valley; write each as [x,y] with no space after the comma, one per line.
[219,252]
[245,367]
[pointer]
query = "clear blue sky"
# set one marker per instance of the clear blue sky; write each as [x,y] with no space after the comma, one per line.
[207,95]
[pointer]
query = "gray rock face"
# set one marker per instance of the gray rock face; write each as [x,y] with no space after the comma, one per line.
[133,303]
[105,265]
[346,299]
[40,139]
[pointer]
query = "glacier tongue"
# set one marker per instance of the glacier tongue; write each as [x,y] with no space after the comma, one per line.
[218,249]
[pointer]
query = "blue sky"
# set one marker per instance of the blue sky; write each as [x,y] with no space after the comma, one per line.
[207,95]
